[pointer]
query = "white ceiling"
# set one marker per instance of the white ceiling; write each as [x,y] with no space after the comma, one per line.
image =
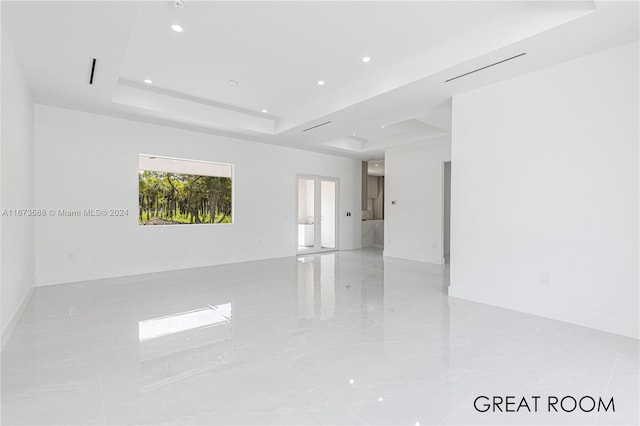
[277,51]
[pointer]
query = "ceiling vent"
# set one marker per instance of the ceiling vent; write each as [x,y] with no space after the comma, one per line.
[93,70]
[315,127]
[483,68]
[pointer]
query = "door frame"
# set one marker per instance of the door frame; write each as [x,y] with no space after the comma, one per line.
[317,248]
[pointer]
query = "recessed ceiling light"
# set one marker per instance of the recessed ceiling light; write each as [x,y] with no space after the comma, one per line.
[320,82]
[376,165]
[177,28]
[353,134]
[148,81]
[265,111]
[366,59]
[232,82]
[382,127]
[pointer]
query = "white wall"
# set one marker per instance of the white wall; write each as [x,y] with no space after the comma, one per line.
[17,190]
[545,182]
[91,161]
[413,178]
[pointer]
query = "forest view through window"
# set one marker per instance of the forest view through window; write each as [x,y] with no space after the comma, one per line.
[173,191]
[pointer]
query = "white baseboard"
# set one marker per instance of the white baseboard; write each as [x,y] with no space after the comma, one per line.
[6,333]
[581,318]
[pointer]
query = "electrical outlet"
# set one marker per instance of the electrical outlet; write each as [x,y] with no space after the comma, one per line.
[545,280]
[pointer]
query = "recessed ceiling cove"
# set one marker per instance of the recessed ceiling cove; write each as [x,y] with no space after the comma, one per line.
[252,69]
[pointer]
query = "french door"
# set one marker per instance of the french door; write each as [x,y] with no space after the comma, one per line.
[317,224]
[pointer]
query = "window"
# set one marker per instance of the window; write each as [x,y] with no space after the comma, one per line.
[174,191]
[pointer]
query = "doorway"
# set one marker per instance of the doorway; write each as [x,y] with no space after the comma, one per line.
[317,226]
[447,213]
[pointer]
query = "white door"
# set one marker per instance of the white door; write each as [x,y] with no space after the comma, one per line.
[317,214]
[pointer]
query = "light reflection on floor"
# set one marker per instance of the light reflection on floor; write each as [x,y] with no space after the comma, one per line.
[337,338]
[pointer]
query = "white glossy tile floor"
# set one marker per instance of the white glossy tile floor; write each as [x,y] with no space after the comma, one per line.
[339,338]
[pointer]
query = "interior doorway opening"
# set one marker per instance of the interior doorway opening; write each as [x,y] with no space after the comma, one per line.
[446,237]
[373,172]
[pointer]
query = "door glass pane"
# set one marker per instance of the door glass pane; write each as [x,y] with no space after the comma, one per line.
[328,214]
[306,209]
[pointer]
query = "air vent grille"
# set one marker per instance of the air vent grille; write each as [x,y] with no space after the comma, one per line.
[316,126]
[485,67]
[93,70]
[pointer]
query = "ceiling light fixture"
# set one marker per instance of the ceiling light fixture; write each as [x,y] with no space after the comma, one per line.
[177,28]
[148,81]
[264,111]
[382,127]
[366,59]
[232,82]
[320,82]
